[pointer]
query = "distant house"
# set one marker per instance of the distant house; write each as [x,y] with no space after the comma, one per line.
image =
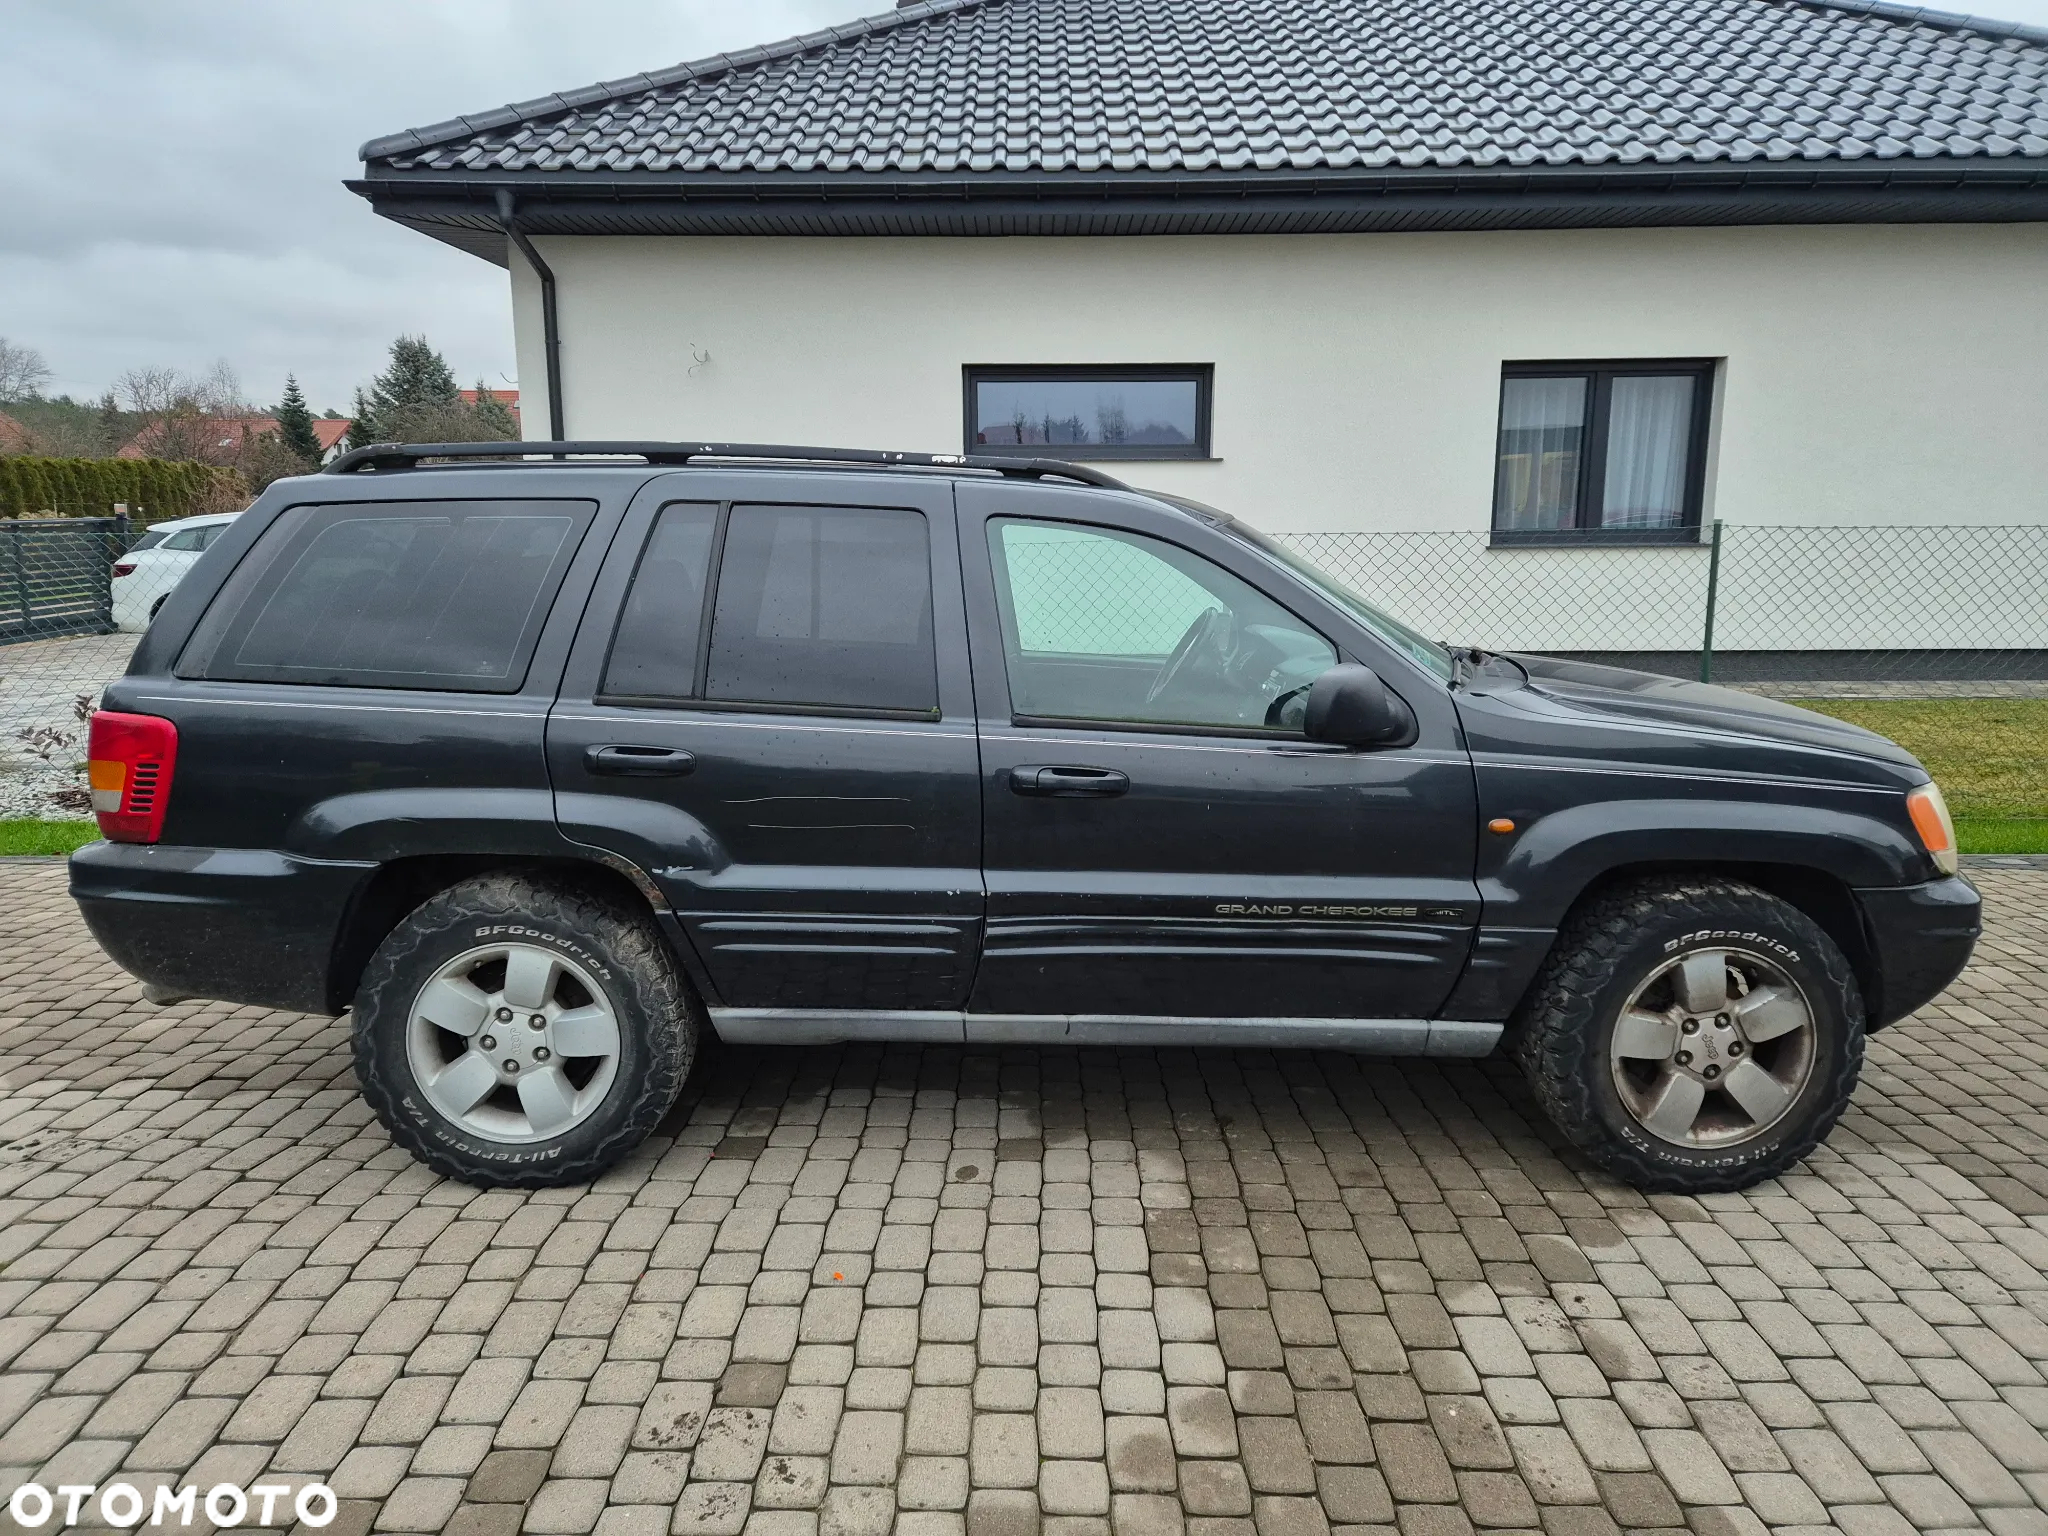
[14,437]
[227,434]
[509,398]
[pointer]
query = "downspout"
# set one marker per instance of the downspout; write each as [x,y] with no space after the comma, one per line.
[551,330]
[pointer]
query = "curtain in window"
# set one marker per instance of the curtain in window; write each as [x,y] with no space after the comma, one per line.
[1649,432]
[1542,428]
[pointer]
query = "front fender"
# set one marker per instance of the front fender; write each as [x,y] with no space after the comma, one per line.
[1544,867]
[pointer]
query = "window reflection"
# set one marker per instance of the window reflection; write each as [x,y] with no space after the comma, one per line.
[1088,413]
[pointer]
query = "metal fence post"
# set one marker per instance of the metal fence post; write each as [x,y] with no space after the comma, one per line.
[113,543]
[1713,596]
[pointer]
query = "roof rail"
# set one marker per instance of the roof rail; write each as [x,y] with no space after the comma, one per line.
[389,456]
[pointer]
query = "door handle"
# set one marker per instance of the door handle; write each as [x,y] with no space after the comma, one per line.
[1070,783]
[639,762]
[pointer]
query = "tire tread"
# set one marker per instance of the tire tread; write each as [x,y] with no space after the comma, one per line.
[662,994]
[1550,1033]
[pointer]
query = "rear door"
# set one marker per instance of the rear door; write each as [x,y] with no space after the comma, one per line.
[1160,838]
[768,710]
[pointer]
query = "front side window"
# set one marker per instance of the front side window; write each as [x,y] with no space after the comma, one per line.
[441,595]
[1112,626]
[811,607]
[1087,413]
[1611,450]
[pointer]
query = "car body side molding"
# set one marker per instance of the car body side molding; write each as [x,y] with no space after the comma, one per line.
[1376,1037]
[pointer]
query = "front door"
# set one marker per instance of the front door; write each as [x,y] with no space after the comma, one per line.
[1160,839]
[768,711]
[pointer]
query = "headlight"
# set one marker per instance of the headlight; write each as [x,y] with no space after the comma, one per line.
[1931,820]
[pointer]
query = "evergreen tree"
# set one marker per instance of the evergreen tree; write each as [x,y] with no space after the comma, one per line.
[113,428]
[295,424]
[363,431]
[493,415]
[418,377]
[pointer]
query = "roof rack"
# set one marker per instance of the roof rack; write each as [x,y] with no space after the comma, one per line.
[389,456]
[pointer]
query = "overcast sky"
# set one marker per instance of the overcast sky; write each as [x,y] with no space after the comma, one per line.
[170,174]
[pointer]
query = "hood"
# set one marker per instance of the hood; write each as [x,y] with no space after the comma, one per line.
[1670,720]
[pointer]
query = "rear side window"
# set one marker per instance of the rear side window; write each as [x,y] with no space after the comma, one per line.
[811,608]
[443,595]
[193,538]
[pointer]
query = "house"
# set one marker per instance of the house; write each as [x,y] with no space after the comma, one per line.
[222,436]
[14,437]
[1554,275]
[509,398]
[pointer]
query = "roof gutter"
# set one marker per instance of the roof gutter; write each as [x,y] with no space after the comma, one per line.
[550,323]
[465,209]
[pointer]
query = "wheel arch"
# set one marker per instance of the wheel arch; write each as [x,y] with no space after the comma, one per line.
[1825,898]
[399,886]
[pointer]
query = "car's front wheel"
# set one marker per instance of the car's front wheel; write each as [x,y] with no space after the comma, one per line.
[512,1031]
[1693,1035]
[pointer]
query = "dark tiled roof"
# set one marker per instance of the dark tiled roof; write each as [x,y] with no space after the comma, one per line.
[1249,88]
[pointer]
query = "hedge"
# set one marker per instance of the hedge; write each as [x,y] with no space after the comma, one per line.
[152,489]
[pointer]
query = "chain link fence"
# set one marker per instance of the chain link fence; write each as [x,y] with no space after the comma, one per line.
[1877,609]
[1792,611]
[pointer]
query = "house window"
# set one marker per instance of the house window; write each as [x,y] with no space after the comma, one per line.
[1601,452]
[1091,413]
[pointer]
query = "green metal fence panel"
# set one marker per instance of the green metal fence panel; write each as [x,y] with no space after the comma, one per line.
[59,576]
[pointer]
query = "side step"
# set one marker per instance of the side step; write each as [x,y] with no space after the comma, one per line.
[1374,1037]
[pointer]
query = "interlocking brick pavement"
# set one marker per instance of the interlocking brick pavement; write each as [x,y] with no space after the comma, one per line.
[944,1289]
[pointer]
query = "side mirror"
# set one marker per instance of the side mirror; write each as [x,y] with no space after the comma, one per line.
[1351,707]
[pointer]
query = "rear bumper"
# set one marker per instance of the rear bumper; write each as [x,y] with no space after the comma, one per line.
[1920,939]
[243,925]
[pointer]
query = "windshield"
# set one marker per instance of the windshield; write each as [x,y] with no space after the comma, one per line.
[1424,652]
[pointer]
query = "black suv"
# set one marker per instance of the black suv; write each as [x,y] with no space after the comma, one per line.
[541,767]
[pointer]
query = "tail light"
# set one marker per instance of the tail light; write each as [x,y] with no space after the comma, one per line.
[129,759]
[124,568]
[1931,820]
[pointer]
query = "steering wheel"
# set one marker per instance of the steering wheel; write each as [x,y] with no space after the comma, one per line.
[1211,625]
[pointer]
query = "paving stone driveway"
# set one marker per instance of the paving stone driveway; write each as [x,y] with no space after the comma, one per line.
[922,1288]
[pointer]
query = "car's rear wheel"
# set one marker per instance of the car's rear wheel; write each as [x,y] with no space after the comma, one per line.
[513,1031]
[1693,1035]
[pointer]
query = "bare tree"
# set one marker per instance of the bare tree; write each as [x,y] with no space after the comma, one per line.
[188,416]
[23,371]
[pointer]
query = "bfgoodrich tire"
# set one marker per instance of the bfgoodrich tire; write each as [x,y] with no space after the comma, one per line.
[1693,1035]
[516,1032]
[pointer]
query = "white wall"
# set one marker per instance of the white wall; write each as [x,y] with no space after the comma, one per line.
[1872,374]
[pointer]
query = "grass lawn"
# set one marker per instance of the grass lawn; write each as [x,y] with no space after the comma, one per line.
[18,837]
[1990,757]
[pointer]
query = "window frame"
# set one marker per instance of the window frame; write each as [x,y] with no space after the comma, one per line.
[1002,607]
[1599,375]
[1201,375]
[723,508]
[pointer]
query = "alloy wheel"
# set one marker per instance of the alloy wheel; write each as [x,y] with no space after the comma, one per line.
[513,1042]
[1713,1049]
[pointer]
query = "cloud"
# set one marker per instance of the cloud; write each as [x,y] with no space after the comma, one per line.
[173,174]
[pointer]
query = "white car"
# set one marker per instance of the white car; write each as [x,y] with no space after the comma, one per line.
[144,576]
